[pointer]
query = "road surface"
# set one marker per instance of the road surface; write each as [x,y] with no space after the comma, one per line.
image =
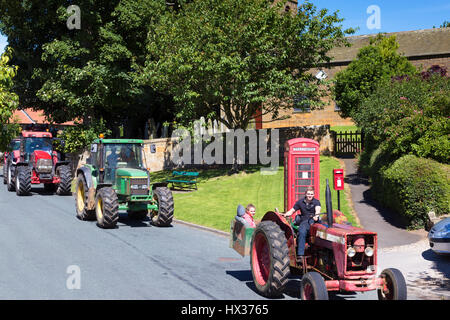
[47,253]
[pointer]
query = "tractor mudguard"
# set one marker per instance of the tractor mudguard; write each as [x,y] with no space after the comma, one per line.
[240,237]
[288,232]
[91,186]
[87,176]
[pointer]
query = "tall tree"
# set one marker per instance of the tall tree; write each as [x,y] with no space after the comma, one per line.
[8,100]
[228,58]
[374,63]
[87,73]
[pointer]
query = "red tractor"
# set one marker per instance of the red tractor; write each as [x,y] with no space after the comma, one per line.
[35,162]
[339,256]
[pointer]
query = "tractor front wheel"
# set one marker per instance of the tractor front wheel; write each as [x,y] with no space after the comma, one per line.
[65,178]
[107,208]
[81,199]
[269,259]
[394,285]
[164,215]
[313,287]
[23,181]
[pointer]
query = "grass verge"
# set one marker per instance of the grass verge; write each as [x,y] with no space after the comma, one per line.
[219,193]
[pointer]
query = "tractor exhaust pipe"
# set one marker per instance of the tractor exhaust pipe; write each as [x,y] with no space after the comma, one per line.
[329,205]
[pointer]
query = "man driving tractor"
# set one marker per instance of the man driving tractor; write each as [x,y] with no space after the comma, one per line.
[309,213]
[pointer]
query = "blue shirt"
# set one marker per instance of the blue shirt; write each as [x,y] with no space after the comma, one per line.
[308,210]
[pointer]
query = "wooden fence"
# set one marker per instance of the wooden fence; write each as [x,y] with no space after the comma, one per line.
[347,143]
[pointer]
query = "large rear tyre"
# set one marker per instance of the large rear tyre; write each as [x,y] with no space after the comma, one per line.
[394,287]
[164,215]
[65,177]
[9,180]
[269,259]
[107,208]
[313,287]
[81,199]
[23,181]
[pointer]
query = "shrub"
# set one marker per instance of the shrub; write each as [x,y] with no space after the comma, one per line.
[409,116]
[414,186]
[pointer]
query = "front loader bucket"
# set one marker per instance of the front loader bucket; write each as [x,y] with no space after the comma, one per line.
[240,237]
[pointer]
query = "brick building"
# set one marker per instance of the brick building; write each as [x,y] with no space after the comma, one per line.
[28,117]
[423,48]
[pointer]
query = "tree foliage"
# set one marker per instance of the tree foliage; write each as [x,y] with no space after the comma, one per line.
[8,100]
[375,63]
[88,73]
[227,58]
[409,115]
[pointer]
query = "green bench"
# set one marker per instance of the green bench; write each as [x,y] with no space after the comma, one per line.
[183,179]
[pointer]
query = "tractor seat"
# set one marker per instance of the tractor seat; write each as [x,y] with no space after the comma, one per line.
[240,213]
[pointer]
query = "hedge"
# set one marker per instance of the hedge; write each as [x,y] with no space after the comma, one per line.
[412,187]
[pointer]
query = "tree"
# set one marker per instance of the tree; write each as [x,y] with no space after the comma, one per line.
[226,59]
[88,73]
[374,63]
[409,115]
[8,100]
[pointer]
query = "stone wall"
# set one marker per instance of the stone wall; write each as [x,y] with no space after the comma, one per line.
[159,152]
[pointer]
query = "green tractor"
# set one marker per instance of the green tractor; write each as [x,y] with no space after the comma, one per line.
[115,179]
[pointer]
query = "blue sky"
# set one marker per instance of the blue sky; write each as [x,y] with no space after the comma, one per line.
[395,15]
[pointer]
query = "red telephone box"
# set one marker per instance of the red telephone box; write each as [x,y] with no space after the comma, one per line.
[301,169]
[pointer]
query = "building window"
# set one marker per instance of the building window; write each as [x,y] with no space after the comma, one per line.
[301,104]
[336,107]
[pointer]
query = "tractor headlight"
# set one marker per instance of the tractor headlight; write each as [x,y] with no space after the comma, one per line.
[139,186]
[351,252]
[368,251]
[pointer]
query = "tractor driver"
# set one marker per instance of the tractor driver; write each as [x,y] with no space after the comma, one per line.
[309,213]
[126,155]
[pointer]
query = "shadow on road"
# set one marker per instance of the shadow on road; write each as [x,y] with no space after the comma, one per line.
[441,262]
[385,213]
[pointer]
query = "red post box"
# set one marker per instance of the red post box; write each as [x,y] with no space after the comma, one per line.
[301,169]
[338,177]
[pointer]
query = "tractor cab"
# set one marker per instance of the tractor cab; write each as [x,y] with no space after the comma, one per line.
[117,158]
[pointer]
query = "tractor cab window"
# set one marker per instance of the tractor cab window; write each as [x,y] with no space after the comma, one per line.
[123,155]
[14,145]
[34,143]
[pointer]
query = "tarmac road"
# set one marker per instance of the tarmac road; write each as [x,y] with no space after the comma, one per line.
[47,253]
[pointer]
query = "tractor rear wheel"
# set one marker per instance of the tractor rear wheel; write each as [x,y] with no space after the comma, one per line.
[9,180]
[164,215]
[269,259]
[81,199]
[23,181]
[107,208]
[394,287]
[313,287]
[65,177]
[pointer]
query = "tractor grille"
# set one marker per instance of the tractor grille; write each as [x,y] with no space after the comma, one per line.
[361,261]
[44,166]
[139,186]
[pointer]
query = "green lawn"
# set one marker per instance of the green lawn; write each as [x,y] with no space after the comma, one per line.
[344,128]
[214,203]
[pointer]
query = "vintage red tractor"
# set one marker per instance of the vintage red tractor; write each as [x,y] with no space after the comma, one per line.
[35,162]
[339,256]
